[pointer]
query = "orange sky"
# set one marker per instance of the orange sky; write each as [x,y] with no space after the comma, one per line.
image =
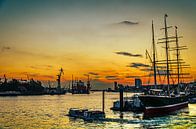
[37,38]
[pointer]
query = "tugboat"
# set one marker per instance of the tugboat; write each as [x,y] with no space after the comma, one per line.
[158,102]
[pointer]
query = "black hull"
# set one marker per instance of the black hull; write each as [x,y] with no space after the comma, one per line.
[157,101]
[162,105]
[163,110]
[80,92]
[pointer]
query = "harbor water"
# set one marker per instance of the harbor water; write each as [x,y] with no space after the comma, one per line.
[49,111]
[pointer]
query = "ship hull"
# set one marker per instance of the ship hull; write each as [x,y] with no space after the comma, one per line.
[163,110]
[158,101]
[162,105]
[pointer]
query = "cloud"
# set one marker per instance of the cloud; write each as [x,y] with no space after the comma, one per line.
[33,54]
[24,53]
[128,54]
[86,75]
[128,23]
[5,48]
[146,69]
[93,73]
[132,76]
[138,65]
[112,77]
[46,67]
[161,67]
[32,75]
[97,84]
[47,76]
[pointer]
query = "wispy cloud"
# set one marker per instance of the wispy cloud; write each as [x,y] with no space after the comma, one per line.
[31,75]
[45,67]
[111,77]
[131,76]
[138,65]
[128,54]
[126,22]
[93,73]
[23,52]
[5,48]
[33,54]
[146,69]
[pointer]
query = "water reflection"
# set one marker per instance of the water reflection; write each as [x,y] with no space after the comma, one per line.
[50,112]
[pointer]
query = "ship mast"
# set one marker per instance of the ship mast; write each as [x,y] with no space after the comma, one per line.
[72,83]
[175,63]
[167,53]
[177,56]
[154,57]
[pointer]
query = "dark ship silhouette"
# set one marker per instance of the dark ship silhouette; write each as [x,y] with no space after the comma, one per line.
[79,87]
[21,87]
[158,102]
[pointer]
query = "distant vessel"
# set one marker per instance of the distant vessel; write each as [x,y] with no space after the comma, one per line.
[160,102]
[58,90]
[16,87]
[79,87]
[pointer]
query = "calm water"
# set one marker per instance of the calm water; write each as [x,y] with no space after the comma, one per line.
[50,112]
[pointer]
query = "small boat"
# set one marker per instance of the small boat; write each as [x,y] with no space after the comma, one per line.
[130,104]
[75,112]
[85,114]
[94,115]
[192,100]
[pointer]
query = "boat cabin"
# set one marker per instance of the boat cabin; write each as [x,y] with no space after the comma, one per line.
[157,92]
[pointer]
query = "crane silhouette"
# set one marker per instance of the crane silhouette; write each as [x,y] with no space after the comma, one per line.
[59,79]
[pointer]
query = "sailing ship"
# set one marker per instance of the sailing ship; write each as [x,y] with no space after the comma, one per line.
[160,102]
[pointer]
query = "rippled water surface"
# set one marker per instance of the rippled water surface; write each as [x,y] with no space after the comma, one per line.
[50,112]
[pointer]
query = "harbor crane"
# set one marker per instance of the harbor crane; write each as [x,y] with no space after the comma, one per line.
[59,79]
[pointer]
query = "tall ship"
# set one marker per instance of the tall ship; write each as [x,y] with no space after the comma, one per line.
[170,97]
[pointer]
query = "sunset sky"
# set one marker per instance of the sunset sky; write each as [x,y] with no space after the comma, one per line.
[106,39]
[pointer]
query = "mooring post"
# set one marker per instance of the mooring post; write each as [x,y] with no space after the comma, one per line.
[103,100]
[121,99]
